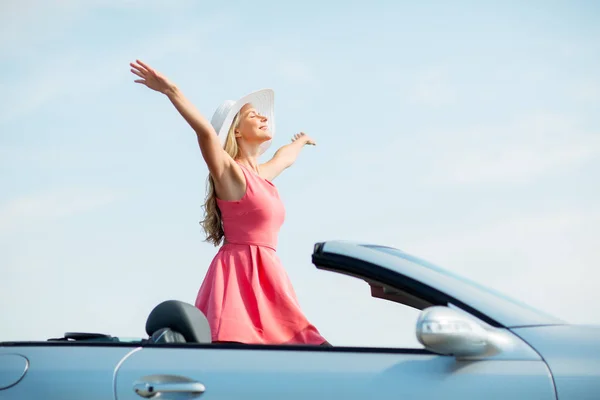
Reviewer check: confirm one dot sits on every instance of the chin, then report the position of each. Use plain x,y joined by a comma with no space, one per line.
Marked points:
260,136
265,136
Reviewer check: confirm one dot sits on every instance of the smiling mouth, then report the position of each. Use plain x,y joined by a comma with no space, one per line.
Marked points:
264,128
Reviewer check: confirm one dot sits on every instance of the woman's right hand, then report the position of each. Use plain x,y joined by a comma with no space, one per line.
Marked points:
218,161
151,78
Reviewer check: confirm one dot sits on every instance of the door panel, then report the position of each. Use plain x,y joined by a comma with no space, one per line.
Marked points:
255,373
66,372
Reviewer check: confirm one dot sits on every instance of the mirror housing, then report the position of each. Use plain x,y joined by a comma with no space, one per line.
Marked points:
448,331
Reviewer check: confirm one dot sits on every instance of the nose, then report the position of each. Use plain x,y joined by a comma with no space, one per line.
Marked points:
263,118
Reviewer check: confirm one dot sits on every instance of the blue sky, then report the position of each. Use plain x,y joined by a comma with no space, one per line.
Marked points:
464,133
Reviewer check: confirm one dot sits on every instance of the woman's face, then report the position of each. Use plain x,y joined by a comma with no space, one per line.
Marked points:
253,127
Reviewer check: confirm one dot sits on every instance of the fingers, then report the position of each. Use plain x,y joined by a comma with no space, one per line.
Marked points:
146,67
141,75
303,136
139,68
138,71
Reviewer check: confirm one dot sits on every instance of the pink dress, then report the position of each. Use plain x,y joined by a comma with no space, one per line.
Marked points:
247,295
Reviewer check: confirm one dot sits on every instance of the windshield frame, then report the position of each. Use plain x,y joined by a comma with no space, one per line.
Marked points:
438,269
485,302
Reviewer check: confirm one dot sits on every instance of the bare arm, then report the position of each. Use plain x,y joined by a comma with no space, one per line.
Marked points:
217,160
285,156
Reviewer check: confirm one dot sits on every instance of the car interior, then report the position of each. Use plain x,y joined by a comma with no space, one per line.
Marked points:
171,321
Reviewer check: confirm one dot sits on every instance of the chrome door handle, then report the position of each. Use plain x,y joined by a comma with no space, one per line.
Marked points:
166,385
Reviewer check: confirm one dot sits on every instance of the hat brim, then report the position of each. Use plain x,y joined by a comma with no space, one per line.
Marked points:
263,101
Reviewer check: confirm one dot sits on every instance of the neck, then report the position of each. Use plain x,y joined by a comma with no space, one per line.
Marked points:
248,159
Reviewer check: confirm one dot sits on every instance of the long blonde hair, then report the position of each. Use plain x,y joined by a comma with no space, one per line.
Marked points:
212,223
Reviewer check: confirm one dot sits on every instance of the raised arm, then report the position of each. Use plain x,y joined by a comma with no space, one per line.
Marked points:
285,156
217,160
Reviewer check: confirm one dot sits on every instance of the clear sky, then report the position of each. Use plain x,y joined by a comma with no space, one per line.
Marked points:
464,133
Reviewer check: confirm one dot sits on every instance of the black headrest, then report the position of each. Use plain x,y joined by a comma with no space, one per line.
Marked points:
166,335
180,317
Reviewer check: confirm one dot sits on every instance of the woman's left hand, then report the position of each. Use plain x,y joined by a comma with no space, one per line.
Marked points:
304,139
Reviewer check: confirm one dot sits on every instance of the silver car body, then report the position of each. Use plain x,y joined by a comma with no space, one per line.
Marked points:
478,344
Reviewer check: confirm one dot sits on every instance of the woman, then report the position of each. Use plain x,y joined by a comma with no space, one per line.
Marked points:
246,294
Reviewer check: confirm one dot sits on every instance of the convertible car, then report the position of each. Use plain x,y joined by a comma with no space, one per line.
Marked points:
477,344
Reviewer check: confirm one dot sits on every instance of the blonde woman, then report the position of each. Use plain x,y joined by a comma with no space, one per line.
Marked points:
246,294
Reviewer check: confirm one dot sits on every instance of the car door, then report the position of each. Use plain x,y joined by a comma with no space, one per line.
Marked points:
59,370
229,371
254,372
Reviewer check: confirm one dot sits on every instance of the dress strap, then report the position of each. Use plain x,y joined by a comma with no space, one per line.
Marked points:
248,171
246,168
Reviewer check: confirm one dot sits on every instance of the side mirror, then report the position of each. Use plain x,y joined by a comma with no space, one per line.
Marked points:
448,331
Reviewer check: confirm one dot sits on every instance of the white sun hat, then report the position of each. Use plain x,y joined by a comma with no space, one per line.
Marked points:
262,100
